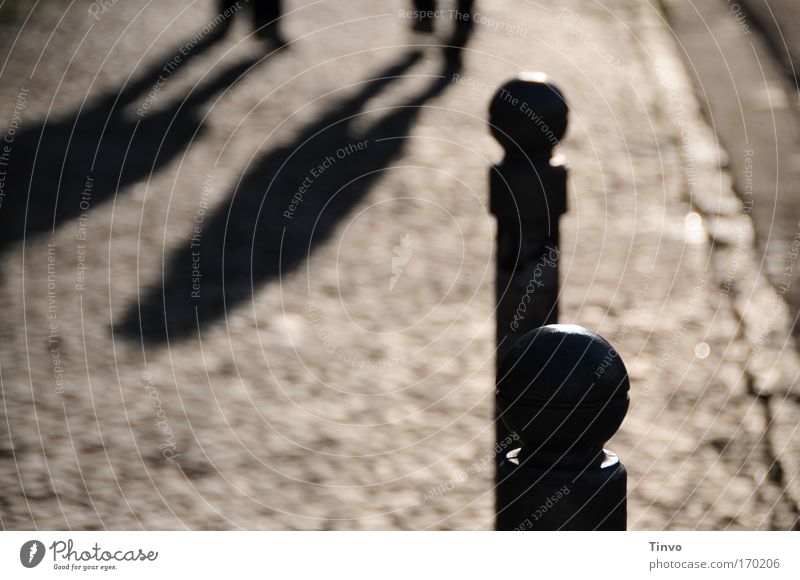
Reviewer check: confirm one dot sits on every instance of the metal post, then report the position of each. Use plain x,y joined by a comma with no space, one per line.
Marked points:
562,394
528,194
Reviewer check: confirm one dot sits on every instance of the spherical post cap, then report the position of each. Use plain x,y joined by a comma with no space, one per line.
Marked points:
528,113
562,386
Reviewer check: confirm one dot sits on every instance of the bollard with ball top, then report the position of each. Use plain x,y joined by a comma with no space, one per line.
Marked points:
562,393
528,194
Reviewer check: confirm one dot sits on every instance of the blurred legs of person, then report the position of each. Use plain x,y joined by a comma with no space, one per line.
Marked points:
265,17
424,22
228,9
463,18
464,23
265,20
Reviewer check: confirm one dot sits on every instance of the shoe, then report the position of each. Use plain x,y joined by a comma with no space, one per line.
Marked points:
271,35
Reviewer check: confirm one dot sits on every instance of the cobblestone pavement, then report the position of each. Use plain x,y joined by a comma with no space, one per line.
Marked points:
352,391
751,105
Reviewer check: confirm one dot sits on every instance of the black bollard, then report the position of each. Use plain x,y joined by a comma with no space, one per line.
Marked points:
528,194
562,394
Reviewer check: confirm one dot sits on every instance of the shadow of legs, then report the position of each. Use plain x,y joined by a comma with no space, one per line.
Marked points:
288,203
102,149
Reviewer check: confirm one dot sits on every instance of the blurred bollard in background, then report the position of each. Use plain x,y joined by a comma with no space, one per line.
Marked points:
528,194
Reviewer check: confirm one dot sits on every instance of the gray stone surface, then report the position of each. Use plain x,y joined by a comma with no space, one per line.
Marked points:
273,429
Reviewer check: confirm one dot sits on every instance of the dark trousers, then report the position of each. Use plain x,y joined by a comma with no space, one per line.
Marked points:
464,6
265,12
463,19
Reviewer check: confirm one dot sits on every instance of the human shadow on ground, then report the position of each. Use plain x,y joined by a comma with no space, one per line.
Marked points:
282,208
65,168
